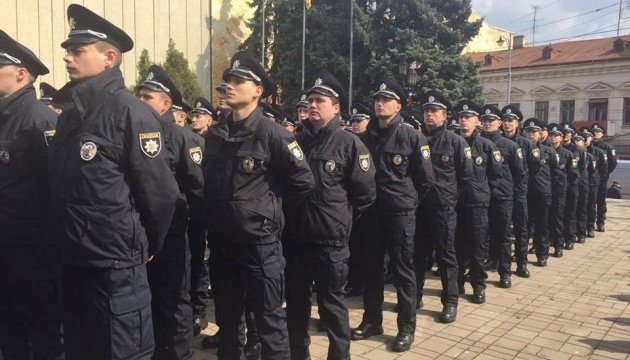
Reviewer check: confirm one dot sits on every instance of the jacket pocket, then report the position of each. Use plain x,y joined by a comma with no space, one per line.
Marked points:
130,324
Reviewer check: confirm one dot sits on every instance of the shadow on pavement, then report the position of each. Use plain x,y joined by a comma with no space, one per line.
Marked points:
614,346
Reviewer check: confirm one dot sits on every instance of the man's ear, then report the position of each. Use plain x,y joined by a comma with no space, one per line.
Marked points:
111,57
259,91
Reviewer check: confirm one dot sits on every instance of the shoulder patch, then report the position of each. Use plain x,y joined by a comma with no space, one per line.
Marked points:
364,162
295,149
612,152
5,156
497,156
425,151
150,143
557,157
196,154
605,157
48,135
536,152
519,152
468,152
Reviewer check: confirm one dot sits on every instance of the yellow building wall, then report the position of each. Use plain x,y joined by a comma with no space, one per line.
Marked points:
486,39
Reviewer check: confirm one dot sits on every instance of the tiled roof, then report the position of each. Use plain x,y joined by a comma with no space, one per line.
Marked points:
571,52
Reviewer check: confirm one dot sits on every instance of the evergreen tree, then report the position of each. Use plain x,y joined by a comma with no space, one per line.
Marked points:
143,69
176,66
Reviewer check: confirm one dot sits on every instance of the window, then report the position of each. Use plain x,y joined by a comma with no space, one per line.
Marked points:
516,105
497,105
597,109
567,111
626,111
541,111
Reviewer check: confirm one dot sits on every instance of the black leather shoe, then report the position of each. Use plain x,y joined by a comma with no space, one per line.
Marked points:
402,342
505,282
365,330
479,296
601,228
210,342
558,252
419,304
252,350
352,291
590,233
531,250
449,314
490,265
199,324
541,262
521,270
462,289
569,245
581,239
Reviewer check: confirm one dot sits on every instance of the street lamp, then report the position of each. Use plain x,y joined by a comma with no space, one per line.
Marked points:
500,42
402,68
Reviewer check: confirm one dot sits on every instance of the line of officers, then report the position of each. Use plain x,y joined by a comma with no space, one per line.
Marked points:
106,206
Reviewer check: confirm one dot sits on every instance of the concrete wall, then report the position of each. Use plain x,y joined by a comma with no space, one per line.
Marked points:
208,32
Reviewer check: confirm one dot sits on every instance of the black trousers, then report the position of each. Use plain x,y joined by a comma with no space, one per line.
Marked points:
520,219
252,275
556,219
199,277
107,313
570,213
539,209
436,229
394,234
30,303
581,212
470,238
169,280
591,206
601,201
357,253
214,265
328,267
499,215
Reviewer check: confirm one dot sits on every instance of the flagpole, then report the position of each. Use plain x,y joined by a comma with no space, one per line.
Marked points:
351,42
262,47
303,38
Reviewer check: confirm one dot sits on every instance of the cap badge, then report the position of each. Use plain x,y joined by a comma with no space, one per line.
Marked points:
508,111
383,87
198,104
303,97
431,98
465,107
318,81
531,123
150,76
72,23
354,111
488,111
236,64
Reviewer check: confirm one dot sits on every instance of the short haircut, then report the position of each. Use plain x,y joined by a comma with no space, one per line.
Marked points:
103,46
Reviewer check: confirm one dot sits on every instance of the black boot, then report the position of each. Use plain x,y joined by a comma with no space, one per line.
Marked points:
521,270
402,342
558,252
506,281
569,245
252,350
601,228
479,296
199,324
449,314
365,330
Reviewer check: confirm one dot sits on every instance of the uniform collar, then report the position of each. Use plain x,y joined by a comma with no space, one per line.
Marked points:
249,126
325,131
87,94
395,123
13,101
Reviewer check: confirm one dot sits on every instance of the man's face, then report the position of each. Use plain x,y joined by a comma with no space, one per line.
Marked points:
222,105
533,135
588,140
302,113
386,108
240,92
434,117
556,139
567,137
290,128
359,126
201,122
544,134
180,117
598,135
8,79
490,125
321,108
467,123
155,100
85,61
509,124
579,143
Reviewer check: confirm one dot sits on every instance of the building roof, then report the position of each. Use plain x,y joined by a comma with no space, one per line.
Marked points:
564,53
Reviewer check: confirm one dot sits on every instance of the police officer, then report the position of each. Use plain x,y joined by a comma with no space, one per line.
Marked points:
30,270
511,117
251,166
564,170
319,251
301,108
598,169
180,112
452,163
360,118
500,213
611,157
288,124
586,177
113,196
403,177
574,179
472,213
539,192
169,272
46,92
202,116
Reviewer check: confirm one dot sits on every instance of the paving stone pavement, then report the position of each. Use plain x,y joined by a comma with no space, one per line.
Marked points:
578,307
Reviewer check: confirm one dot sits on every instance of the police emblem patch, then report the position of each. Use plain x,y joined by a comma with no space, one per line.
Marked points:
247,165
330,166
236,64
557,158
5,156
574,162
397,159
431,98
478,160
354,111
468,152
364,162
426,152
318,81
72,23
150,143
519,152
303,97
88,151
196,154
296,150
497,155
536,152
382,87
150,76
48,135
445,158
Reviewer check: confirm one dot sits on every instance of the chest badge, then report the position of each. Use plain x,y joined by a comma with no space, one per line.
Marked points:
248,165
195,154
88,151
330,166
478,160
5,157
468,152
536,153
445,158
364,162
397,160
574,162
497,155
594,164
519,152
48,135
150,143
296,150
426,152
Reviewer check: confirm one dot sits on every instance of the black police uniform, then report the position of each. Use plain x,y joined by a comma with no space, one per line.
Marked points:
588,176
345,188
598,170
30,266
251,167
611,158
113,198
573,187
452,164
169,272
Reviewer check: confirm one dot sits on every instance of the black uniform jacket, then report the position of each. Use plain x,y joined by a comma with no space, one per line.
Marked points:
112,192
247,176
611,159
549,162
404,173
579,156
344,183
600,165
514,180
26,128
568,168
487,171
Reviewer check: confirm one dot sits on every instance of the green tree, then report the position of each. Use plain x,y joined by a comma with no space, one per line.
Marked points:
176,66
143,68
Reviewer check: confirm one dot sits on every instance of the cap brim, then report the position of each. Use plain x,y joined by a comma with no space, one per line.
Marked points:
386,94
201,111
301,104
322,91
152,87
535,128
433,105
78,40
468,113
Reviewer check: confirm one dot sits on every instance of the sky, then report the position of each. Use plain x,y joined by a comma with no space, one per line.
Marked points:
556,20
